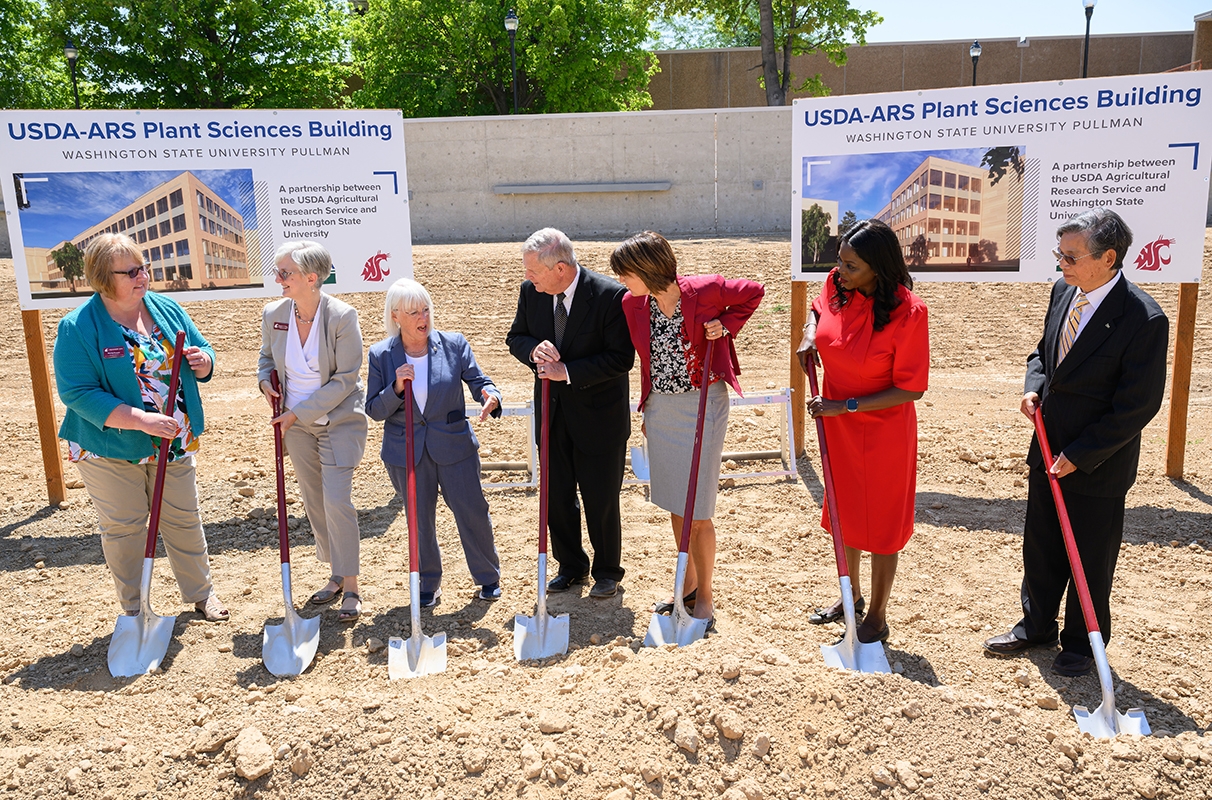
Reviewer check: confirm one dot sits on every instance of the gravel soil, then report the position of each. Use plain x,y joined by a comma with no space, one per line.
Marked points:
749,713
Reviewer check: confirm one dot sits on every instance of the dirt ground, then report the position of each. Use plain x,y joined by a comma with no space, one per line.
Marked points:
749,713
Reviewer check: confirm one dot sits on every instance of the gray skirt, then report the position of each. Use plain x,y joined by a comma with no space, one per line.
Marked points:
670,420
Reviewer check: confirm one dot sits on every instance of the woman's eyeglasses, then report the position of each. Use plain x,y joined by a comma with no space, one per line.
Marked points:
1070,260
132,273
282,274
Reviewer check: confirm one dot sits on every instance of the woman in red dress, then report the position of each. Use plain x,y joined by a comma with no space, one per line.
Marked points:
869,331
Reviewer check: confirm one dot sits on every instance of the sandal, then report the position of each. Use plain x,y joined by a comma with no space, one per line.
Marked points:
350,614
667,608
212,609
821,616
325,596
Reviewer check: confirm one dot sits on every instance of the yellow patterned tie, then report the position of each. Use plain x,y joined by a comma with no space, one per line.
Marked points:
1075,321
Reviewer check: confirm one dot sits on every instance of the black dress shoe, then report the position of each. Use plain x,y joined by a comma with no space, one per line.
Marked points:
561,583
1007,644
604,587
1072,665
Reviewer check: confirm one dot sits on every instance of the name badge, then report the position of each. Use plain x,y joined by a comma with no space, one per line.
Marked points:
113,352
281,326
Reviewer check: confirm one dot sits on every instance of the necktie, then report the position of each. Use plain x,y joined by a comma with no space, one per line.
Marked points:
561,319
1075,320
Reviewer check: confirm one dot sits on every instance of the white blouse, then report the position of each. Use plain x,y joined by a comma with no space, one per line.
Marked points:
302,366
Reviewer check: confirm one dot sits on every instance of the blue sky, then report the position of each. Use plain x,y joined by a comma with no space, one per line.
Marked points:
864,183
926,20
70,202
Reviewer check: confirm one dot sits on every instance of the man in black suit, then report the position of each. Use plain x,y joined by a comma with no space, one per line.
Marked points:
1099,374
571,331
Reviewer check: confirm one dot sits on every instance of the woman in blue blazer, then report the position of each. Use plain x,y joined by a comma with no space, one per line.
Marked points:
446,452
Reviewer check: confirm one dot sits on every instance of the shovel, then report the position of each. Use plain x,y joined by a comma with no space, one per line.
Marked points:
1106,720
420,655
286,649
140,642
849,653
679,627
541,636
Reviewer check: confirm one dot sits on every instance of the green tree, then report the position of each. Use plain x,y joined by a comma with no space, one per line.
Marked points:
783,29
210,53
848,221
70,261
919,251
35,73
451,57
814,233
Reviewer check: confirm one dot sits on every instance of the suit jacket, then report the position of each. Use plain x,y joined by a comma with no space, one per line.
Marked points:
597,352
704,298
340,394
1100,397
443,428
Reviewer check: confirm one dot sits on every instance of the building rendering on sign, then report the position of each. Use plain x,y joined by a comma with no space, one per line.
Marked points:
948,214
191,239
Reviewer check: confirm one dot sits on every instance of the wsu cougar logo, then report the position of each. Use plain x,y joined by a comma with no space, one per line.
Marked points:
1154,255
373,269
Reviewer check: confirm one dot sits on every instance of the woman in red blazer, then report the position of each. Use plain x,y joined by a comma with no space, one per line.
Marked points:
670,318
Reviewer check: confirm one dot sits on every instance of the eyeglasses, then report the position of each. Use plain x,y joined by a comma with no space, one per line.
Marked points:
282,274
132,273
416,314
1070,260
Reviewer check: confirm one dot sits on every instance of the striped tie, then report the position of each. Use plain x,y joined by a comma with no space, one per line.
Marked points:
1075,321
561,319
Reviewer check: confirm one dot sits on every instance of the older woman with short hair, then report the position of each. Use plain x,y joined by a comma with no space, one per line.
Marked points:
314,342
113,364
445,449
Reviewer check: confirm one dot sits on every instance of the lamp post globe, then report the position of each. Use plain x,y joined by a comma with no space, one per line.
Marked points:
511,26
71,54
1089,6
975,52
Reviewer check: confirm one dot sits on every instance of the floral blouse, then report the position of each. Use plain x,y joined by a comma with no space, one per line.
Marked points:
671,352
152,357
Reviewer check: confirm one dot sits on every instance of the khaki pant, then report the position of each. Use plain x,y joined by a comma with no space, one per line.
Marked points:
324,458
122,493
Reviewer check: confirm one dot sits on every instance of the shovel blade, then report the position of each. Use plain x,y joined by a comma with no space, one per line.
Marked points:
677,628
288,649
1106,722
539,637
852,654
639,463
416,656
139,643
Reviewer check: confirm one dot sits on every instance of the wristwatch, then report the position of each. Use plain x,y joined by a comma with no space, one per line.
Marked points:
852,405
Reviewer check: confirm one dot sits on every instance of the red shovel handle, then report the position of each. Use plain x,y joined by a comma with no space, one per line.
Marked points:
544,448
692,489
410,495
835,525
1075,559
283,539
153,524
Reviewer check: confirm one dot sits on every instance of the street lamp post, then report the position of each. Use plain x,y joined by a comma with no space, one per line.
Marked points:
71,54
511,25
1089,4
975,52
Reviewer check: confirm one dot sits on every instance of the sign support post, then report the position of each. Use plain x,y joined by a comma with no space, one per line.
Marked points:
799,317
44,404
1180,380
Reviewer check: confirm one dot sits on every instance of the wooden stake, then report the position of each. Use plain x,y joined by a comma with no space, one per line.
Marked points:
799,316
1180,379
44,405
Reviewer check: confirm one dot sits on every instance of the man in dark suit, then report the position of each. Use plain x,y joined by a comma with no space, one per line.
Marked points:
1099,374
570,330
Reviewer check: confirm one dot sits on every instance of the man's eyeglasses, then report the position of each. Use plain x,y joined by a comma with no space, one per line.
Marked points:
132,273
1070,260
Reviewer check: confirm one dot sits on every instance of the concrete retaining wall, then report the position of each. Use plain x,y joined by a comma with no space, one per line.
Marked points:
729,173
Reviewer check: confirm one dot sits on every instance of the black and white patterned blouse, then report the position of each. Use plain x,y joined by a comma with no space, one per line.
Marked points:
669,351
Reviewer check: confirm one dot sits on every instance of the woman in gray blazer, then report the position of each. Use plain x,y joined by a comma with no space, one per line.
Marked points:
314,342
446,452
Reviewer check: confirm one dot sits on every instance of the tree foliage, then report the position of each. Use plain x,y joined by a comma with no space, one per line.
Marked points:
814,233
919,251
848,221
451,57
35,73
70,261
783,29
1000,160
209,53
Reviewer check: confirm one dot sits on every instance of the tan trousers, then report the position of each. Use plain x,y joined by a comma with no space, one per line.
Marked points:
324,458
122,494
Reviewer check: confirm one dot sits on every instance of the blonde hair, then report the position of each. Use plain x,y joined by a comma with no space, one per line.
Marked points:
99,258
406,295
